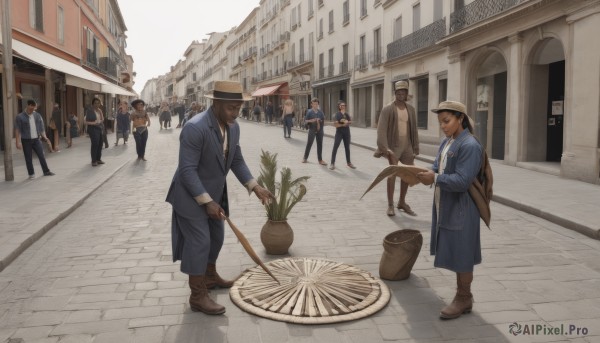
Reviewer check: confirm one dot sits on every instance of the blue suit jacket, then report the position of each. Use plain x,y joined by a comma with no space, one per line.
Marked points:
202,167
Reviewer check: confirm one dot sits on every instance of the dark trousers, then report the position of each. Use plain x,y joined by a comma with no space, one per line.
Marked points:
339,137
140,142
196,242
311,137
29,146
287,126
104,137
269,118
95,133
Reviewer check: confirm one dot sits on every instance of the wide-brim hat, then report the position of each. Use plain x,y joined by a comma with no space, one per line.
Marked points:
228,91
450,105
137,101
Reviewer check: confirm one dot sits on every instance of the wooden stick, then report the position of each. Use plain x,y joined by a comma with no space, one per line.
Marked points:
244,241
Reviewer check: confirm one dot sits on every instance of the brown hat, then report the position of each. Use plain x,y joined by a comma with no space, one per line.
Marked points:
137,101
450,105
401,85
228,90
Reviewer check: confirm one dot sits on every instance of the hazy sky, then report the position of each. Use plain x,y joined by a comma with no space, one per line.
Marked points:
159,31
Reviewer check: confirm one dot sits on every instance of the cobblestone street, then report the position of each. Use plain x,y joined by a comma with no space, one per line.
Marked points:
105,272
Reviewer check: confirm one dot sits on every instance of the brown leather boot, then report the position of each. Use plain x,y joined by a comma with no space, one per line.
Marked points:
463,300
199,299
214,280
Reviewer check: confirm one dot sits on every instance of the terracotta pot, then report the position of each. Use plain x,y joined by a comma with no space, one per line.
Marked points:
277,237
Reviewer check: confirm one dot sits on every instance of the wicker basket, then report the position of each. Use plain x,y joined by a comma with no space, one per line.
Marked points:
400,251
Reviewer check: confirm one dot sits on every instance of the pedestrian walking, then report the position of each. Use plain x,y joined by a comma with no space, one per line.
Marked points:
209,148
72,129
288,118
140,123
164,115
94,120
269,113
455,229
342,123
123,122
194,109
398,140
29,129
315,119
256,112
56,127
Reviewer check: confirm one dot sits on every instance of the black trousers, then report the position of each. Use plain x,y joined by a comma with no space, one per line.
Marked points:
140,142
339,137
312,134
95,133
29,146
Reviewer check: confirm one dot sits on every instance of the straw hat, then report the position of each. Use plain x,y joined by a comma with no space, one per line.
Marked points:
401,85
228,90
449,105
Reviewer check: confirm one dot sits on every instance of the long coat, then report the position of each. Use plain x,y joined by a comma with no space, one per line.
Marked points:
202,171
388,136
455,235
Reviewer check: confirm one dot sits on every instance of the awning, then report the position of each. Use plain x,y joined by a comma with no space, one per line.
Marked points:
114,89
54,62
268,90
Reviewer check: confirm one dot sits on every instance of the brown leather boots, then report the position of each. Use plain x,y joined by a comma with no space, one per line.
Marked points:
463,300
214,280
199,299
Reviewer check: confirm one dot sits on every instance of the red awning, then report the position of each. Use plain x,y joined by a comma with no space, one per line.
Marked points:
268,90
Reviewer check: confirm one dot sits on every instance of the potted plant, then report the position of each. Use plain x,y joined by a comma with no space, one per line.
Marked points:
277,235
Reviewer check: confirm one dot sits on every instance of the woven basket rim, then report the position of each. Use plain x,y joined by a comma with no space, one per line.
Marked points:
374,307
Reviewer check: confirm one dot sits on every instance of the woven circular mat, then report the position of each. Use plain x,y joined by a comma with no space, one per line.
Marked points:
312,291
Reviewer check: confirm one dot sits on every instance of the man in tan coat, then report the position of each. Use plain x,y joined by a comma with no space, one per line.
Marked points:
398,140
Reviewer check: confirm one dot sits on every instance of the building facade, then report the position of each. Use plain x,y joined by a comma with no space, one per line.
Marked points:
68,52
524,68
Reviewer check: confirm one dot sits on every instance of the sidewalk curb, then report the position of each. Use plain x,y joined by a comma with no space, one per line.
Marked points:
504,200
569,224
10,257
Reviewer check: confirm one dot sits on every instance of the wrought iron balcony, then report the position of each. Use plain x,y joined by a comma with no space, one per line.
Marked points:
478,10
321,73
330,70
360,62
417,40
375,56
343,67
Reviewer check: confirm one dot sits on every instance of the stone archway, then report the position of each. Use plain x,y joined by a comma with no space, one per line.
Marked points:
545,107
488,104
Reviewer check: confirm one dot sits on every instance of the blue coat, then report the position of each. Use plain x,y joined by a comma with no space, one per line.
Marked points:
455,235
202,169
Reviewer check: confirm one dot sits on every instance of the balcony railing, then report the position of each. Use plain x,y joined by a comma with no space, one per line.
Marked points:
360,62
417,40
478,10
343,67
375,56
301,57
321,73
330,70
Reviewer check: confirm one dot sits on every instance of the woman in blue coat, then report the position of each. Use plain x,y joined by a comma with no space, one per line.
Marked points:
455,235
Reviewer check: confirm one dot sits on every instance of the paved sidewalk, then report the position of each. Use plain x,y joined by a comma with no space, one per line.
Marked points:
29,208
105,273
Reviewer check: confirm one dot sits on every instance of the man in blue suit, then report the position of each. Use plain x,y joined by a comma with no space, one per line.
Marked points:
209,148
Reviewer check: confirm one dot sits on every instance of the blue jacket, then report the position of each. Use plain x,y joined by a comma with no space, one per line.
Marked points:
22,124
455,233
202,168
311,114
